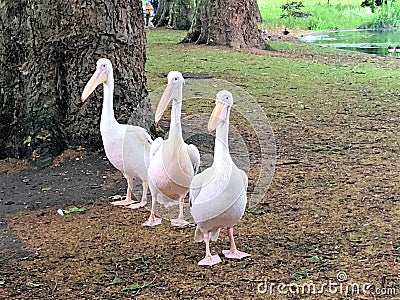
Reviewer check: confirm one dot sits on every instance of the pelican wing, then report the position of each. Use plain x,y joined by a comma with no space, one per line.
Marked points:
140,135
155,147
136,143
195,187
194,157
198,182
245,178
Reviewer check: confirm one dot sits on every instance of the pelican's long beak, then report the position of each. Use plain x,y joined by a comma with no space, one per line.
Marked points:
215,117
165,99
100,76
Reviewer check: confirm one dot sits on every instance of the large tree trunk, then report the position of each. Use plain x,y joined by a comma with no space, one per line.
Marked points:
176,14
49,50
258,13
226,22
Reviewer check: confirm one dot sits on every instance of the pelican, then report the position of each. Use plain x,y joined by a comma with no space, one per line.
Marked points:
173,163
127,147
218,194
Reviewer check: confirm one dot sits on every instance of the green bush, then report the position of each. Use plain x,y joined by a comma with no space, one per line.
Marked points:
324,15
388,15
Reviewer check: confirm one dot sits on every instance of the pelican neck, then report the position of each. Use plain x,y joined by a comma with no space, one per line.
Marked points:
221,149
175,126
107,114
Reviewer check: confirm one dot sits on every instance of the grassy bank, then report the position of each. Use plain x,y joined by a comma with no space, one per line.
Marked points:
311,68
324,15
387,16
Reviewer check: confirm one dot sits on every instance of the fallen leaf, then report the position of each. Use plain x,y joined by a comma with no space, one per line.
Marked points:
31,284
132,287
74,209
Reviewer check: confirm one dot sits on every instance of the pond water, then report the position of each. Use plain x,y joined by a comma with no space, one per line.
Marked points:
362,40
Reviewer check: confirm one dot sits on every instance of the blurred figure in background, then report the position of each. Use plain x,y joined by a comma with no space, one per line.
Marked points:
148,8
154,3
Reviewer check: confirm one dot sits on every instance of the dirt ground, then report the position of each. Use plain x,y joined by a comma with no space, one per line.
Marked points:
331,216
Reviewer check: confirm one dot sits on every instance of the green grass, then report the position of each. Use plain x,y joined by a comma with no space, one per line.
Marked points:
333,15
387,16
336,14
274,77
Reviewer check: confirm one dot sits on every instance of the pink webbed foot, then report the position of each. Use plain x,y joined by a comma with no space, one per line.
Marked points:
122,202
209,260
236,254
152,221
137,205
179,223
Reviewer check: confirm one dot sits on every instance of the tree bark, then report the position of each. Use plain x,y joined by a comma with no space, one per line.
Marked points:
176,14
226,22
49,50
258,13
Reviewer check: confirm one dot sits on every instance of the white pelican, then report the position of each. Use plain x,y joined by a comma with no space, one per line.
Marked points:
218,194
127,147
173,163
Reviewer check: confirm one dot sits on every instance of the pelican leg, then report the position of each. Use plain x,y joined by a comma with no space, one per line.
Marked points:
233,252
152,220
142,203
128,200
209,259
180,222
